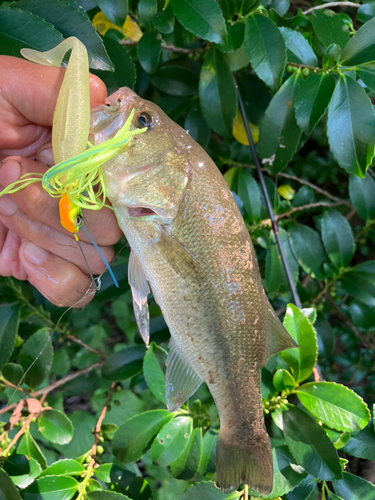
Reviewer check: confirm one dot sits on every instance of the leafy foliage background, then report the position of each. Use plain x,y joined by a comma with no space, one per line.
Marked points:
89,420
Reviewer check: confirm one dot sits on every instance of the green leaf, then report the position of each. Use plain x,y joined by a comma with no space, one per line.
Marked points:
13,373
208,460
207,491
249,192
55,426
124,404
149,51
308,250
172,440
326,338
134,436
302,359
307,487
362,444
61,362
279,132
312,98
298,48
27,446
20,29
22,470
352,487
36,357
362,315
255,95
154,364
360,282
265,48
186,466
52,488
276,281
361,47
9,322
64,467
351,126
82,422
310,446
8,491
146,10
197,126
337,238
330,28
366,12
217,93
106,495
70,21
203,19
116,11
124,364
335,405
164,20
177,77
283,380
362,195
366,73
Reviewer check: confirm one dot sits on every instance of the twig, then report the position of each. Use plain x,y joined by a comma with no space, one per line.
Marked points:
164,46
275,227
87,347
9,384
98,425
332,4
8,408
265,222
19,433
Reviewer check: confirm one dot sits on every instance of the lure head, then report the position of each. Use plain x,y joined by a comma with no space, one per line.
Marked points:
70,214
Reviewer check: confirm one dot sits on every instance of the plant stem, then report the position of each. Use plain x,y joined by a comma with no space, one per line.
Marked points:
332,4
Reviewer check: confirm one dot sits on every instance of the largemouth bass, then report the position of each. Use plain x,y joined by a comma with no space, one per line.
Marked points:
189,243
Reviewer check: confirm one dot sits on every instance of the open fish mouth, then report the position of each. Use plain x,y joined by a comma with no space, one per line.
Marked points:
140,212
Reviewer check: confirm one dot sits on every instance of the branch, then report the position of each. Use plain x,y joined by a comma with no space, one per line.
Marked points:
265,222
332,4
87,347
165,46
19,433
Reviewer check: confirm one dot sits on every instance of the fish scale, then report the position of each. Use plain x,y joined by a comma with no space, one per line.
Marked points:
189,241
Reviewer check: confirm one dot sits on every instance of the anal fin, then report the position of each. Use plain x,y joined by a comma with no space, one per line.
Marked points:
140,289
181,380
278,338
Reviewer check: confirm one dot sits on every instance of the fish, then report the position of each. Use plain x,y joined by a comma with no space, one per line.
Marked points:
190,247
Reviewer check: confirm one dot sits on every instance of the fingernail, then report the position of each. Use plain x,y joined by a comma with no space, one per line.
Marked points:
45,156
10,172
7,206
34,254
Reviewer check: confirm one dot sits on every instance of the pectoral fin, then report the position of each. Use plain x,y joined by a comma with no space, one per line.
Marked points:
278,338
181,380
140,289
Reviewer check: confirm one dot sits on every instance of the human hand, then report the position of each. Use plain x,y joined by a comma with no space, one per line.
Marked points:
33,244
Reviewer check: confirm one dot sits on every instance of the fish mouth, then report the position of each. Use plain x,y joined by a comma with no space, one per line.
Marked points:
140,212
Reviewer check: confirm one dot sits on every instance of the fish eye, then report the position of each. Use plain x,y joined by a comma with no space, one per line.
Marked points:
144,120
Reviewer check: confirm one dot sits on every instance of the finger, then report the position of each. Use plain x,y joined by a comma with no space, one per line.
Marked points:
10,264
40,94
37,204
45,155
61,282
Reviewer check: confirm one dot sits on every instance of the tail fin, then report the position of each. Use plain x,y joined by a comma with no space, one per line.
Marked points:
248,461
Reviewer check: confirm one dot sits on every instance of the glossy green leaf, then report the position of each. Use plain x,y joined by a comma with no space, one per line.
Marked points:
283,380
36,357
146,11
362,444
208,460
361,47
338,239
255,95
362,315
19,29
303,491
172,440
249,192
164,20
177,77
207,491
22,470
64,467
310,446
360,282
330,27
106,495
326,338
13,373
366,73
298,48
308,249
362,195
27,446
154,364
335,405
124,364
351,126
366,12
312,98
52,488
55,426
124,404
197,127
265,48
9,322
83,439
149,51
61,362
352,487
134,437
186,466
115,11
217,93
8,490
203,19
71,21
302,359
279,132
